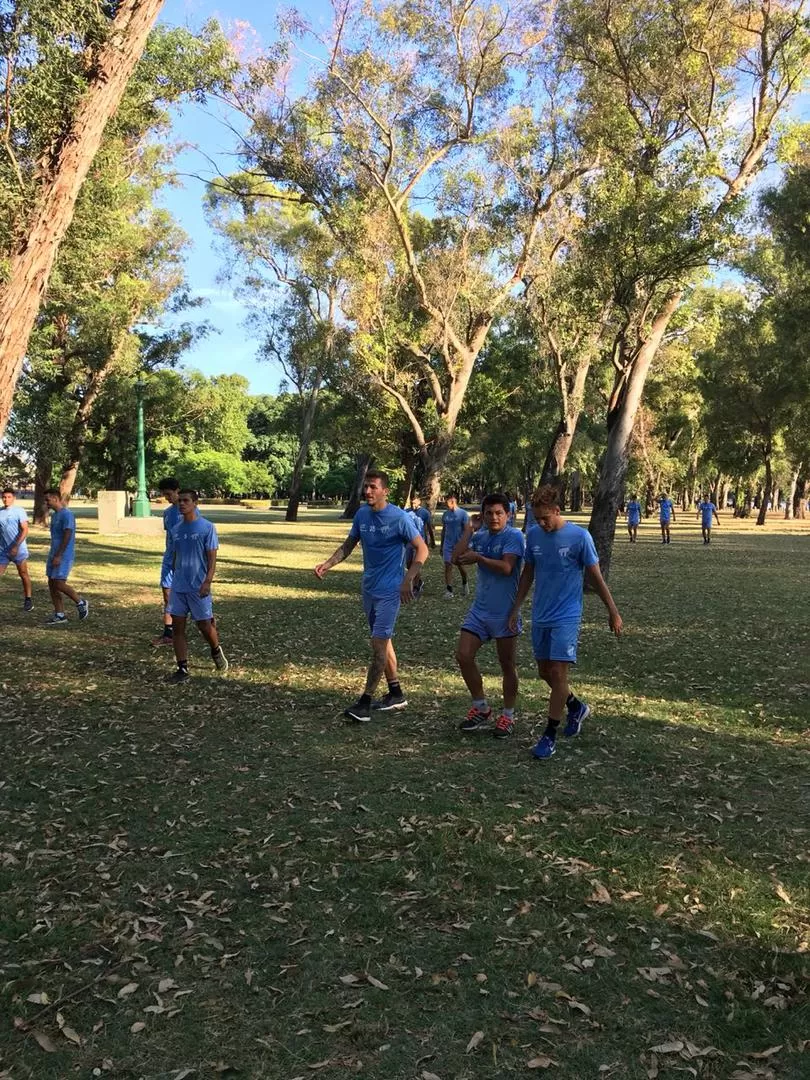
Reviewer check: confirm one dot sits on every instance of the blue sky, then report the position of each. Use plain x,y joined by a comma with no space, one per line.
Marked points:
229,350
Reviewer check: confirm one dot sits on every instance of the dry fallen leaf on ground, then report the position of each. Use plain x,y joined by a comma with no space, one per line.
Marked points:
477,1038
542,1061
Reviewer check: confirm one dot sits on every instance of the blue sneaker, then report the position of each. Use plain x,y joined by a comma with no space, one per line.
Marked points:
575,718
546,748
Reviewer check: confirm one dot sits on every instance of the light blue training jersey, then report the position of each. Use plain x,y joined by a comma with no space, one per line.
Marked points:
559,559
633,512
190,543
665,508
11,518
61,521
495,593
454,522
383,535
419,523
425,516
171,517
706,510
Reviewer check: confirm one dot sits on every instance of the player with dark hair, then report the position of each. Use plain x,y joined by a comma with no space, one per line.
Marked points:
560,554
13,548
194,545
169,488
60,559
384,531
497,550
705,511
455,529
427,518
666,517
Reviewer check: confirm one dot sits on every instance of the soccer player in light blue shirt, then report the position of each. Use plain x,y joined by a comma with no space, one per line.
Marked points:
419,523
60,560
13,548
170,490
560,555
705,511
666,515
194,546
455,528
633,511
384,532
426,517
497,550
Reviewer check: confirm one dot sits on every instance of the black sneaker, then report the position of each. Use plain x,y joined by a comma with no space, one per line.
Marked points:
389,702
83,608
358,712
28,604
179,676
476,720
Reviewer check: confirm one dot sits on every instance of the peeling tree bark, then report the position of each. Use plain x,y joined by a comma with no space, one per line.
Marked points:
31,264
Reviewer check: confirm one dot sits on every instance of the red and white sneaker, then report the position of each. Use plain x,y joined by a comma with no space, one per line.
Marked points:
504,727
476,720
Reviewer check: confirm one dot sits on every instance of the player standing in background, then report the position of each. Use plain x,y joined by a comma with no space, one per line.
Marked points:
13,548
455,527
60,560
383,531
706,509
666,515
410,552
559,554
169,489
633,511
497,550
426,517
194,545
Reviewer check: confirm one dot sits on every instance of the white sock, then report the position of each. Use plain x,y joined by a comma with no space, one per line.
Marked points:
480,704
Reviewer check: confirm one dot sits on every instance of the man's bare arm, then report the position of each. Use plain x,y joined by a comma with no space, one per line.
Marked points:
341,553
599,586
205,588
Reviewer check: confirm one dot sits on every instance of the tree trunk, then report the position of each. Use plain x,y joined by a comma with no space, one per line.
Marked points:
77,437
559,448
625,402
791,495
800,498
307,425
434,459
762,516
31,264
576,492
356,497
42,480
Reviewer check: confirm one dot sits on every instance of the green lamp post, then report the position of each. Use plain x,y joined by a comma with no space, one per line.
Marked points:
141,507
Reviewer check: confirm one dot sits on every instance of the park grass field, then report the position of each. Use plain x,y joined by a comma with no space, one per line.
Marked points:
224,879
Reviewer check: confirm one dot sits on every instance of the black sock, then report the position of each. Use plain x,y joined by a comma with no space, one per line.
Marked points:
551,728
215,649
365,699
449,588
394,687
572,702
182,665
168,632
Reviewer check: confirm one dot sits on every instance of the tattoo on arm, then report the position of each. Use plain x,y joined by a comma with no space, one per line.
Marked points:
344,551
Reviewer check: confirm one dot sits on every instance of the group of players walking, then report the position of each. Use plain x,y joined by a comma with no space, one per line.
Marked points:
555,556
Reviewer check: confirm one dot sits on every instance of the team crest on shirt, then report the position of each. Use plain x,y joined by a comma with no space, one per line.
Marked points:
564,552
